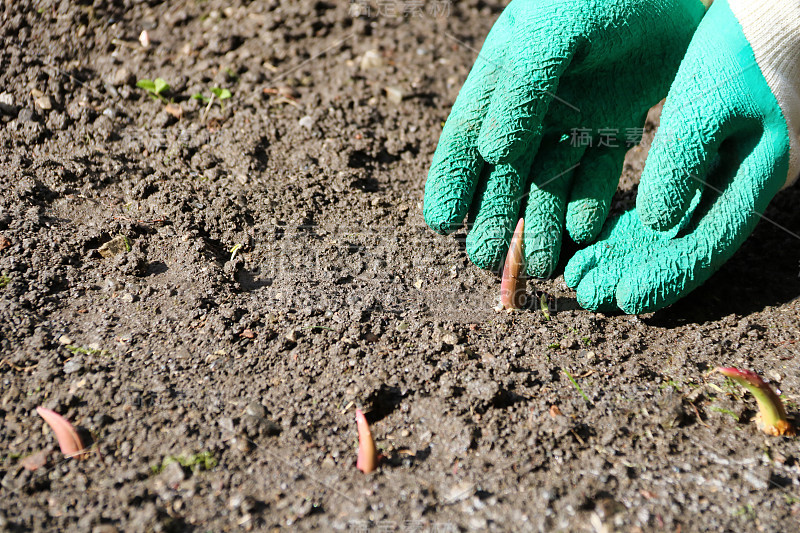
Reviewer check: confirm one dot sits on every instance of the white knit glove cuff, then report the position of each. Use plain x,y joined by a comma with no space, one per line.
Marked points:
773,30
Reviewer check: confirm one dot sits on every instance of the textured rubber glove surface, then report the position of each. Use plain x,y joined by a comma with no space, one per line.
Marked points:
723,138
548,70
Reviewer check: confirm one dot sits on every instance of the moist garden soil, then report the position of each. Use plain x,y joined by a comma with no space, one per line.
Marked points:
269,271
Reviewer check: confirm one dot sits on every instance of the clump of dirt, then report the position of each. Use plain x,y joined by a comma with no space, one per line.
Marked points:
270,271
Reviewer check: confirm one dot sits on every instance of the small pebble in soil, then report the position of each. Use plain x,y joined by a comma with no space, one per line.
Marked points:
371,59
306,122
394,94
123,76
73,365
45,103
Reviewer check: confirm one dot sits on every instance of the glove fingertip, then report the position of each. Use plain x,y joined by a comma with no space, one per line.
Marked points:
485,252
443,217
665,192
541,265
635,297
583,225
576,269
593,292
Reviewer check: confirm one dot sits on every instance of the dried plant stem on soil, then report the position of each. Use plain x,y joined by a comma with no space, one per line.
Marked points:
367,452
512,287
771,418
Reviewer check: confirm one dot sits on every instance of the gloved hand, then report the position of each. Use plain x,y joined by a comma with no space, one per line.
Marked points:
557,95
727,143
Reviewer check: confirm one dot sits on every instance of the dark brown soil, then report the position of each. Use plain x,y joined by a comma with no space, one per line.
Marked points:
247,365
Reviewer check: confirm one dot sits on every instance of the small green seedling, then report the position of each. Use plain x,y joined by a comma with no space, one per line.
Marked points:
4,281
155,88
544,305
578,387
82,350
771,417
196,462
220,94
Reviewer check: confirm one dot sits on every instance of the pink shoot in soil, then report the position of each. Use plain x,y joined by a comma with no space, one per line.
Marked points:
367,452
68,439
771,417
512,287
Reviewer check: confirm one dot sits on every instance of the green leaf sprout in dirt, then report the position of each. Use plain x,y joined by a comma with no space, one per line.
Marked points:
231,74
544,305
4,281
196,461
578,387
216,92
155,88
82,350
724,411
771,418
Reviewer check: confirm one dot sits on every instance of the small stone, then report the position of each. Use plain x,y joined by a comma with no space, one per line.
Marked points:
73,365
394,94
371,59
243,444
226,424
173,473
115,246
111,285
306,122
26,115
405,433
7,104
402,326
457,492
164,120
236,501
64,340
451,338
128,298
144,39
568,344
175,110
123,76
104,528
255,409
45,103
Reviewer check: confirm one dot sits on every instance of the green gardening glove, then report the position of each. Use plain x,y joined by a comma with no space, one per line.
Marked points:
727,143
557,95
